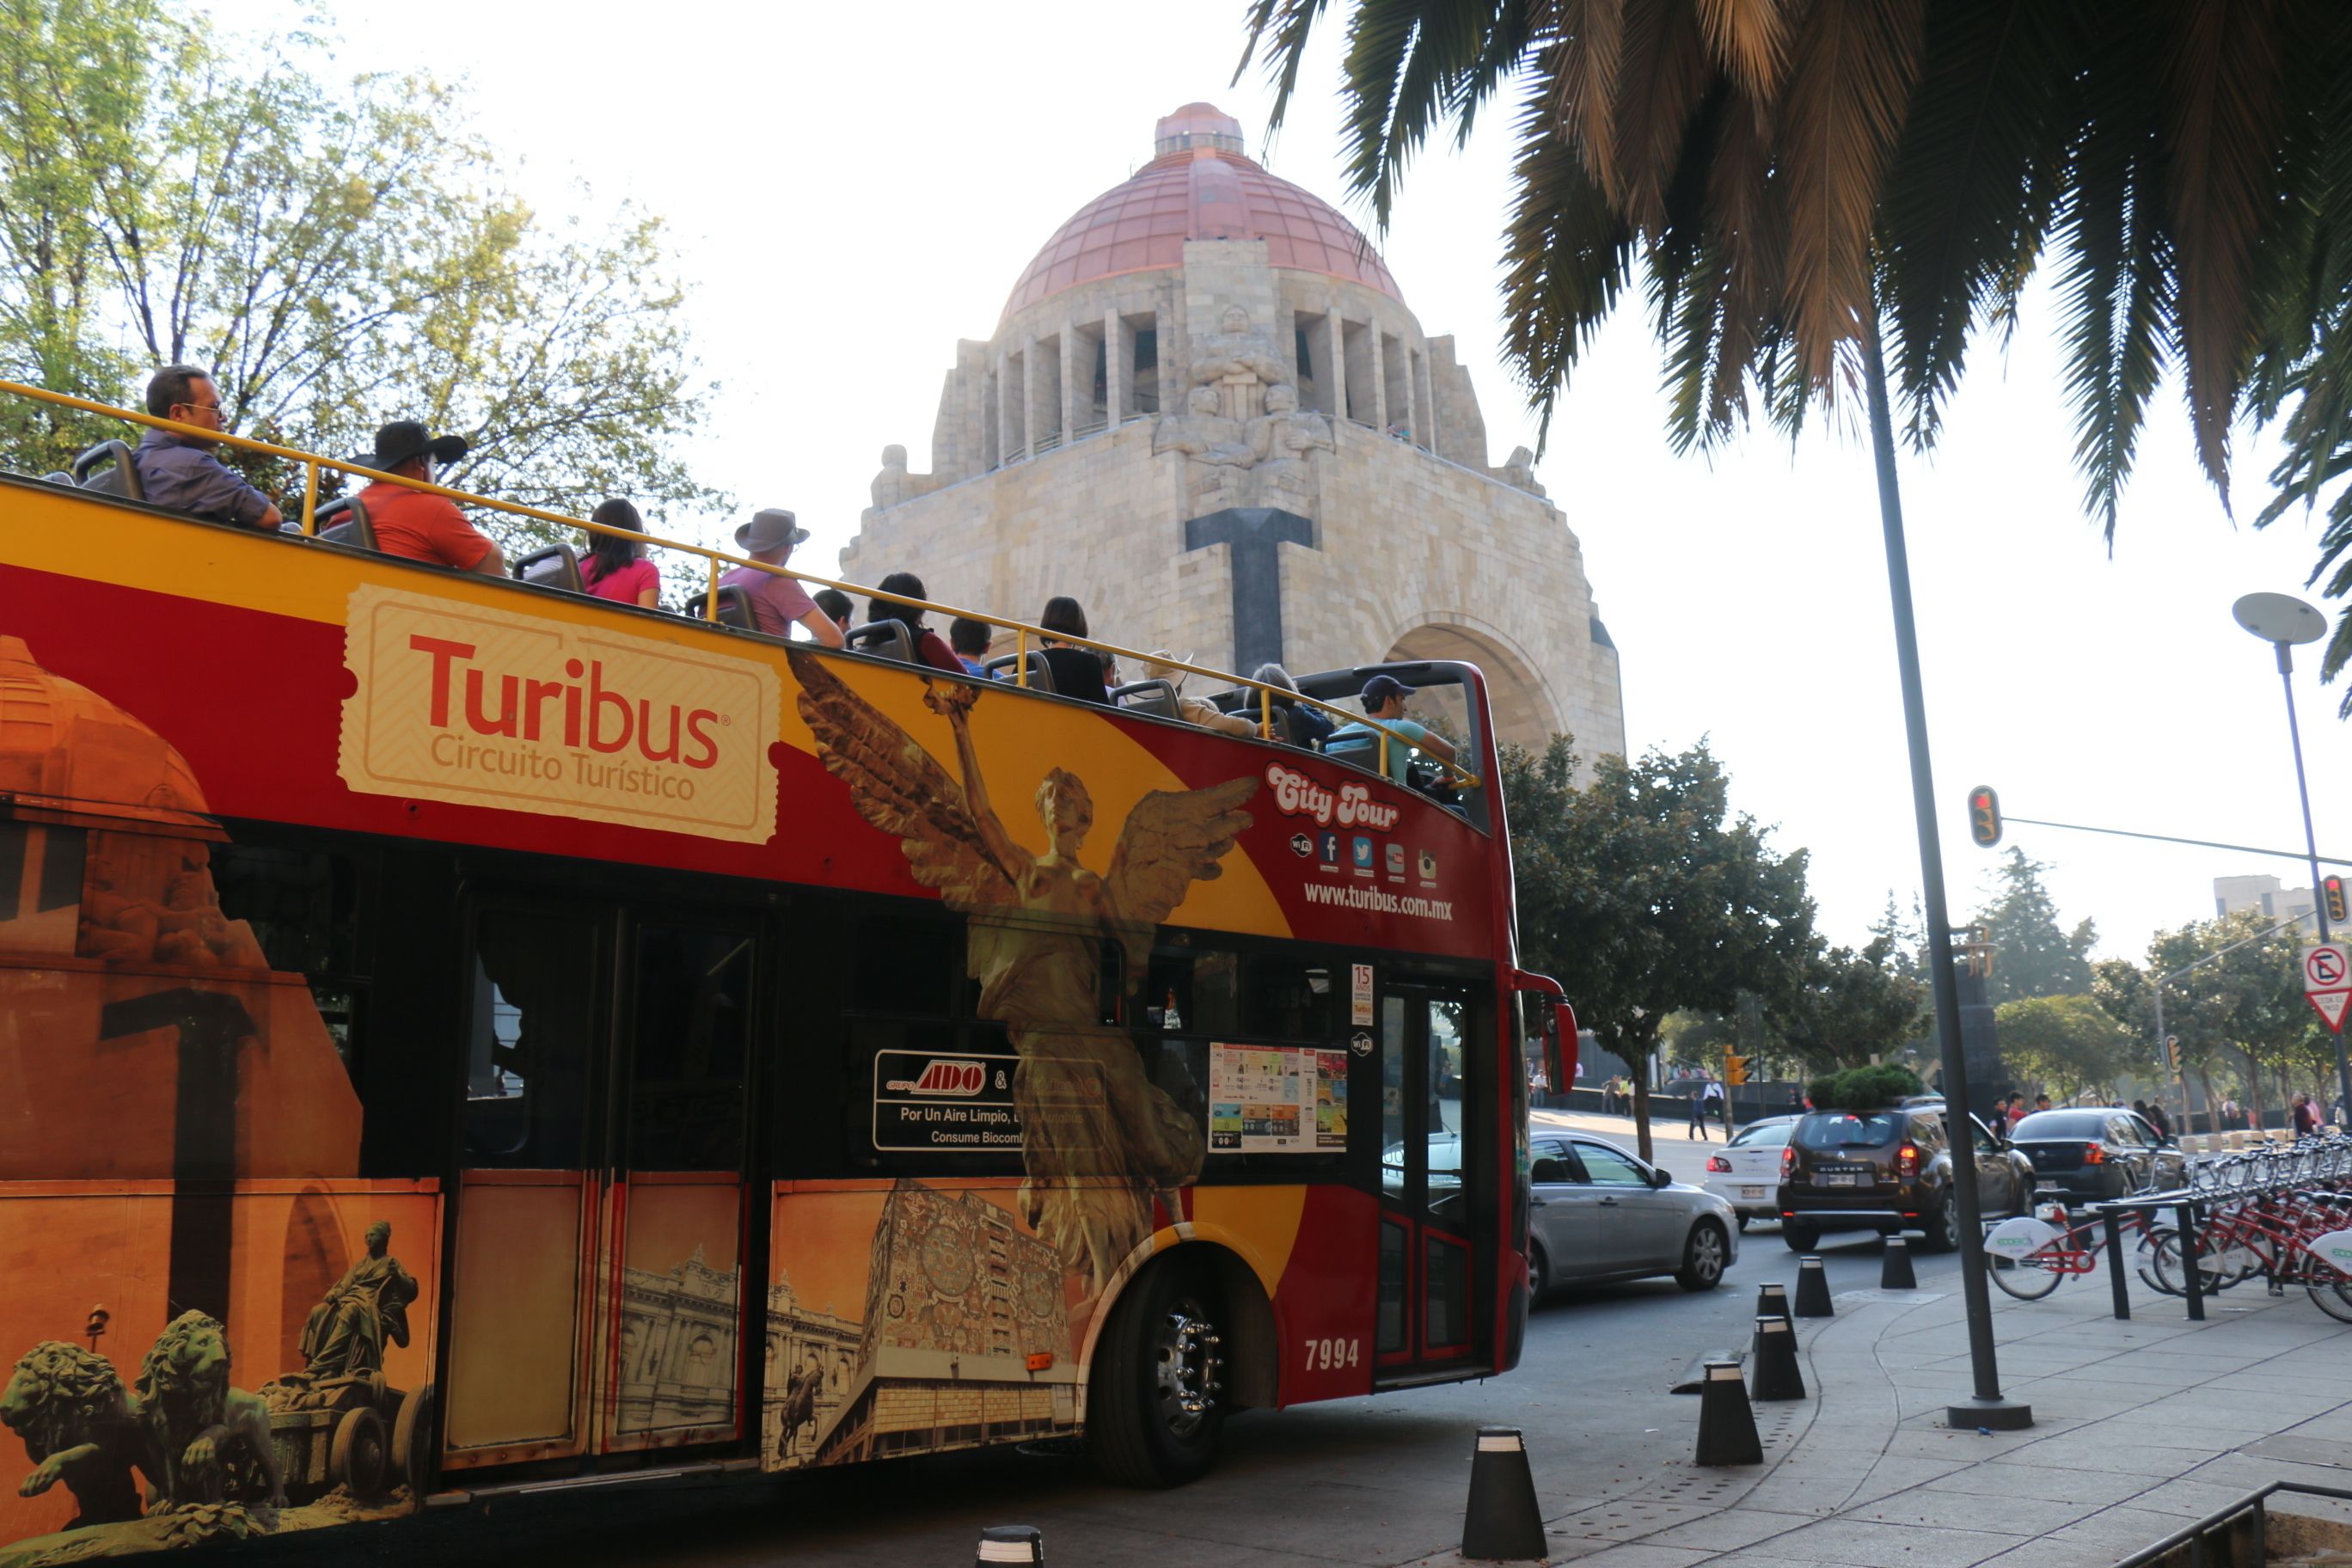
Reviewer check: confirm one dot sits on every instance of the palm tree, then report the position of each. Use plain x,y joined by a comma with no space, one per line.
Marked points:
1794,177
1803,181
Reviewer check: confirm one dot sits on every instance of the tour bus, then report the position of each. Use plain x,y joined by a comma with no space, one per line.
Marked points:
458,1035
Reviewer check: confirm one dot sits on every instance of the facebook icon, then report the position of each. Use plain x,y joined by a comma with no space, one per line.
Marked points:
1330,849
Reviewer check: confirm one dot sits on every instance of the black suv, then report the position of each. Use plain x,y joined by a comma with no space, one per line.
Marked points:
1891,1171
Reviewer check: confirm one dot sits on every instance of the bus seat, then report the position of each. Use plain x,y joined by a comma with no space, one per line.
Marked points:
58,476
107,469
882,639
344,521
1040,674
1283,731
555,566
734,606
1156,698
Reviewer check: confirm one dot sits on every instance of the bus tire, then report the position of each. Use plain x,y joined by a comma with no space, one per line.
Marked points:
1155,1400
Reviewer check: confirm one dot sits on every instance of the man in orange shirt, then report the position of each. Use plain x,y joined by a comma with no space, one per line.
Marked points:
413,524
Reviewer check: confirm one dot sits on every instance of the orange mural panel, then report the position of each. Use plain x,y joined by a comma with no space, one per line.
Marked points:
327,1324
514,1325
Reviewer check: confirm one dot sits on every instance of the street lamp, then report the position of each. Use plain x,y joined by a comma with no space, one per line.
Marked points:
2283,620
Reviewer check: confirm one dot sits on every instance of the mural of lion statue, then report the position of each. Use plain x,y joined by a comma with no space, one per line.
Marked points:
79,1425
194,1419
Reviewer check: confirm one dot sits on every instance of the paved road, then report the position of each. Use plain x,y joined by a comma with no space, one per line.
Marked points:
1371,1481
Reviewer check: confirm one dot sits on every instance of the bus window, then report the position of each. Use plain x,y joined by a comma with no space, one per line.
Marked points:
304,907
533,1028
692,1018
907,962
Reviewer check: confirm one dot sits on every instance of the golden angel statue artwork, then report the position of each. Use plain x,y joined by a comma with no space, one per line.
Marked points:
1098,1140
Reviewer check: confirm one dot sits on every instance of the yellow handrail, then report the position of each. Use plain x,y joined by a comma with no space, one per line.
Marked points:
1023,630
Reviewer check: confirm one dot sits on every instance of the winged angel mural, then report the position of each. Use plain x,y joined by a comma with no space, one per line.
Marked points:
1098,1140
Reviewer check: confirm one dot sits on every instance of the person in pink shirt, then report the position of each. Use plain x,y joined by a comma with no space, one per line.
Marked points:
615,567
777,602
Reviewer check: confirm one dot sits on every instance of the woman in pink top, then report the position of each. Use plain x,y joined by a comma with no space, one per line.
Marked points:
615,567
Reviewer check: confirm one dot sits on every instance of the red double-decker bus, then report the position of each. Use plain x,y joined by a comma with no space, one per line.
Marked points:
458,1034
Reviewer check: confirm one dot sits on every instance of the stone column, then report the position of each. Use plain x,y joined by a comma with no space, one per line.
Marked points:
1380,381
1115,358
1004,407
1071,405
1426,418
1029,393
1334,378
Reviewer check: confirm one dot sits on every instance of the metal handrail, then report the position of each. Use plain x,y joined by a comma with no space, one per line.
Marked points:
719,561
2197,1530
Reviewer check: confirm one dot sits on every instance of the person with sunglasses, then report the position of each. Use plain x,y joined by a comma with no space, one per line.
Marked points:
179,472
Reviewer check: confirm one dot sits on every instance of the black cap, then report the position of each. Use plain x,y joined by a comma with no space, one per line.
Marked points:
1380,687
404,439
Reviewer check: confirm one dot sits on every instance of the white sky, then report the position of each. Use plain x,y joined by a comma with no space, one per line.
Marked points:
850,193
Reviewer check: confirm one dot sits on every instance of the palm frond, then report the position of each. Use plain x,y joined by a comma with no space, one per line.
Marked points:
2222,117
1851,71
1969,193
1283,27
1749,41
1663,73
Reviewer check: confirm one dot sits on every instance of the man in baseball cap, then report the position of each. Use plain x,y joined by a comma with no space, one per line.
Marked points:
413,524
777,602
1384,701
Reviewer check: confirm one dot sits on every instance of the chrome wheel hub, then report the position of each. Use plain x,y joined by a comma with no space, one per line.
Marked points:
1189,1367
1706,1254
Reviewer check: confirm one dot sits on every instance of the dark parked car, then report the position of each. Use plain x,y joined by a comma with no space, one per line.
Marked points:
1892,1171
2098,1152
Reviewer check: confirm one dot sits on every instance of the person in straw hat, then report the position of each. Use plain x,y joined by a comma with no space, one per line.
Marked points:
1160,665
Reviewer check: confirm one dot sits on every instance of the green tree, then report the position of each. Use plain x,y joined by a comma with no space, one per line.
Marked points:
1644,895
339,253
2033,954
1796,179
2243,1003
2071,1042
1854,1006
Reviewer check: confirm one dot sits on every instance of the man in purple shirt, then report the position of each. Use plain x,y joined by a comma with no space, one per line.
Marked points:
180,473
777,602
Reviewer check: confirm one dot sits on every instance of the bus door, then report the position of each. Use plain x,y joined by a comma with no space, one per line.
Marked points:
1426,1256
597,1283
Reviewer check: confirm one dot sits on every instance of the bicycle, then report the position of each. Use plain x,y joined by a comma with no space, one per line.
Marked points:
2076,1249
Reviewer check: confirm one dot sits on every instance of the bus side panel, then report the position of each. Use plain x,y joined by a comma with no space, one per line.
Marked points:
86,1300
1327,1314
908,1317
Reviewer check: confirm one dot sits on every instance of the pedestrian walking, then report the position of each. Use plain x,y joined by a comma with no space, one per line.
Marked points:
2307,1116
1718,1104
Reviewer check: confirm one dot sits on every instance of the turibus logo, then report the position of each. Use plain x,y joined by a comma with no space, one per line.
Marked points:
960,1080
518,712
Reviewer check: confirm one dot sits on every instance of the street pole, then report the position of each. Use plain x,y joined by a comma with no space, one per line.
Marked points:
1988,1409
2311,850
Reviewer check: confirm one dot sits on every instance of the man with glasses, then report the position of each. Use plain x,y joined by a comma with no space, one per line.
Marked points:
1359,743
412,523
179,472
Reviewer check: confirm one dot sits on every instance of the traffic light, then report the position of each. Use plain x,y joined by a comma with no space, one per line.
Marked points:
2332,890
2172,1055
1735,1068
1984,817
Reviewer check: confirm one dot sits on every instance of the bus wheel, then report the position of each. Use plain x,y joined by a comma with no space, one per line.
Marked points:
1156,1399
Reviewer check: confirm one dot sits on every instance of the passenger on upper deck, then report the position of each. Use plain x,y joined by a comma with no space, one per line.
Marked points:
180,472
1078,672
1360,743
970,640
1309,727
777,602
412,524
836,608
615,567
1192,710
930,647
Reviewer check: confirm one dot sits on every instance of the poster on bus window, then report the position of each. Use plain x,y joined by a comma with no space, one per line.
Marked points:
1276,1100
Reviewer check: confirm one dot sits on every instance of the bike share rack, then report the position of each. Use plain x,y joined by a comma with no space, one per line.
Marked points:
2186,1209
2259,1175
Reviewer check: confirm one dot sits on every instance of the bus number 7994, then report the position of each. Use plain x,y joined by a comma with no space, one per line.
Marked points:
1324,1355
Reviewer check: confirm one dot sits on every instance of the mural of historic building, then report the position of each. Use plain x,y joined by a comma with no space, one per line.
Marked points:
967,1334
1208,414
677,1347
808,1351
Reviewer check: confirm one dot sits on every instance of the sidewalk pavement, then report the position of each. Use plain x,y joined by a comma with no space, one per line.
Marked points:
2141,1427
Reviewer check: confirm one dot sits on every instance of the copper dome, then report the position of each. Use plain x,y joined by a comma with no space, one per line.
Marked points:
1199,187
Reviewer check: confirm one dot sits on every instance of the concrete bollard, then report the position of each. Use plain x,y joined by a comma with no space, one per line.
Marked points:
1727,1426
1776,1375
1813,1289
1894,1269
1772,1299
1503,1522
1010,1544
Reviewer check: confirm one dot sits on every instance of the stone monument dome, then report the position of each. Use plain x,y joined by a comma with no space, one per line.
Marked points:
64,741
1208,414
1198,186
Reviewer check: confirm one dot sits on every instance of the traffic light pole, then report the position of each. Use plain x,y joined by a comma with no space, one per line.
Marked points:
1988,1409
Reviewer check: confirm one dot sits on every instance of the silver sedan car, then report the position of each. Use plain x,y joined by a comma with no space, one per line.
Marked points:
1601,1213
